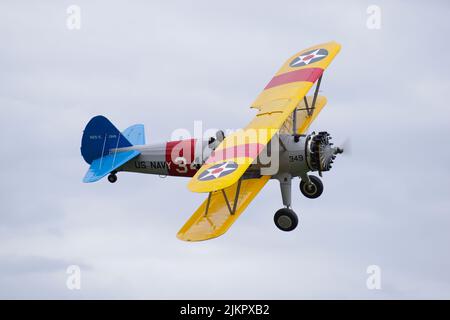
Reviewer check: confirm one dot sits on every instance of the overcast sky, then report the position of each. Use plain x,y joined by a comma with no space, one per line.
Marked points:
167,64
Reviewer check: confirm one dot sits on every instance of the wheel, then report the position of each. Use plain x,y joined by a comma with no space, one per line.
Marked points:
112,178
285,219
311,190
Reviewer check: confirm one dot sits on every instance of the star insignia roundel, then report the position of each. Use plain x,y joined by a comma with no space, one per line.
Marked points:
218,170
309,57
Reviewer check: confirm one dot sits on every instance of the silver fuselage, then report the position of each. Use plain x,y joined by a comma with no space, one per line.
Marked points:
184,158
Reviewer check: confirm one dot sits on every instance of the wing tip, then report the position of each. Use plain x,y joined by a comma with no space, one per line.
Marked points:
184,237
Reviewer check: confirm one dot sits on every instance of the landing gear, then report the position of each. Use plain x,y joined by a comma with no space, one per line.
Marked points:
311,189
112,177
285,219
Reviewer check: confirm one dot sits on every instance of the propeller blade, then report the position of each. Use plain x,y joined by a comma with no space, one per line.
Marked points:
346,146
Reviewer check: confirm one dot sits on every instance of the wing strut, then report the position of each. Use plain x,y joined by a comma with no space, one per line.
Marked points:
282,143
315,94
309,110
207,203
236,197
294,121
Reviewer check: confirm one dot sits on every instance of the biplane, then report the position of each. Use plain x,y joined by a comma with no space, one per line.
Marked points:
231,170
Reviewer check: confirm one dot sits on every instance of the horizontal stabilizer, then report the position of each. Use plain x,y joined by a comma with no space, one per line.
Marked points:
135,134
104,165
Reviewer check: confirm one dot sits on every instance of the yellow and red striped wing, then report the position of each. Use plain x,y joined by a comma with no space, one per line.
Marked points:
275,104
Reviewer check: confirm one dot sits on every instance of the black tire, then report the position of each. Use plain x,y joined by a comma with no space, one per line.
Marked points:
313,190
285,219
112,178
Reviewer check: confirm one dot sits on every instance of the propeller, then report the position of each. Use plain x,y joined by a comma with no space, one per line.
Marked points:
346,147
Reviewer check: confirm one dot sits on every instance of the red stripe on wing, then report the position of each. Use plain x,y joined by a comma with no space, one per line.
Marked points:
249,150
308,74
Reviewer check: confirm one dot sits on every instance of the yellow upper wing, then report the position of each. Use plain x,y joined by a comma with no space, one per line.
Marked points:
274,104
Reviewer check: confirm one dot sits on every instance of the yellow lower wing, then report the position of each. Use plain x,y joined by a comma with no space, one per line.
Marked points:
220,210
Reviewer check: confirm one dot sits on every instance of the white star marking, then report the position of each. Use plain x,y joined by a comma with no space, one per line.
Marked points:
215,172
306,58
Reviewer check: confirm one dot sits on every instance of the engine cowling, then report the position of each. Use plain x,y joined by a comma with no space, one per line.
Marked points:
320,152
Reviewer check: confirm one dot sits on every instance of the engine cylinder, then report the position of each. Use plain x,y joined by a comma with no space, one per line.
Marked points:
320,152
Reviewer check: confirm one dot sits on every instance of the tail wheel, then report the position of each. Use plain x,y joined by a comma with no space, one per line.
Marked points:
285,219
112,178
313,189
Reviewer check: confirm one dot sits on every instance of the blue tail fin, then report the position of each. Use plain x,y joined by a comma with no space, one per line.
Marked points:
99,136
135,134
